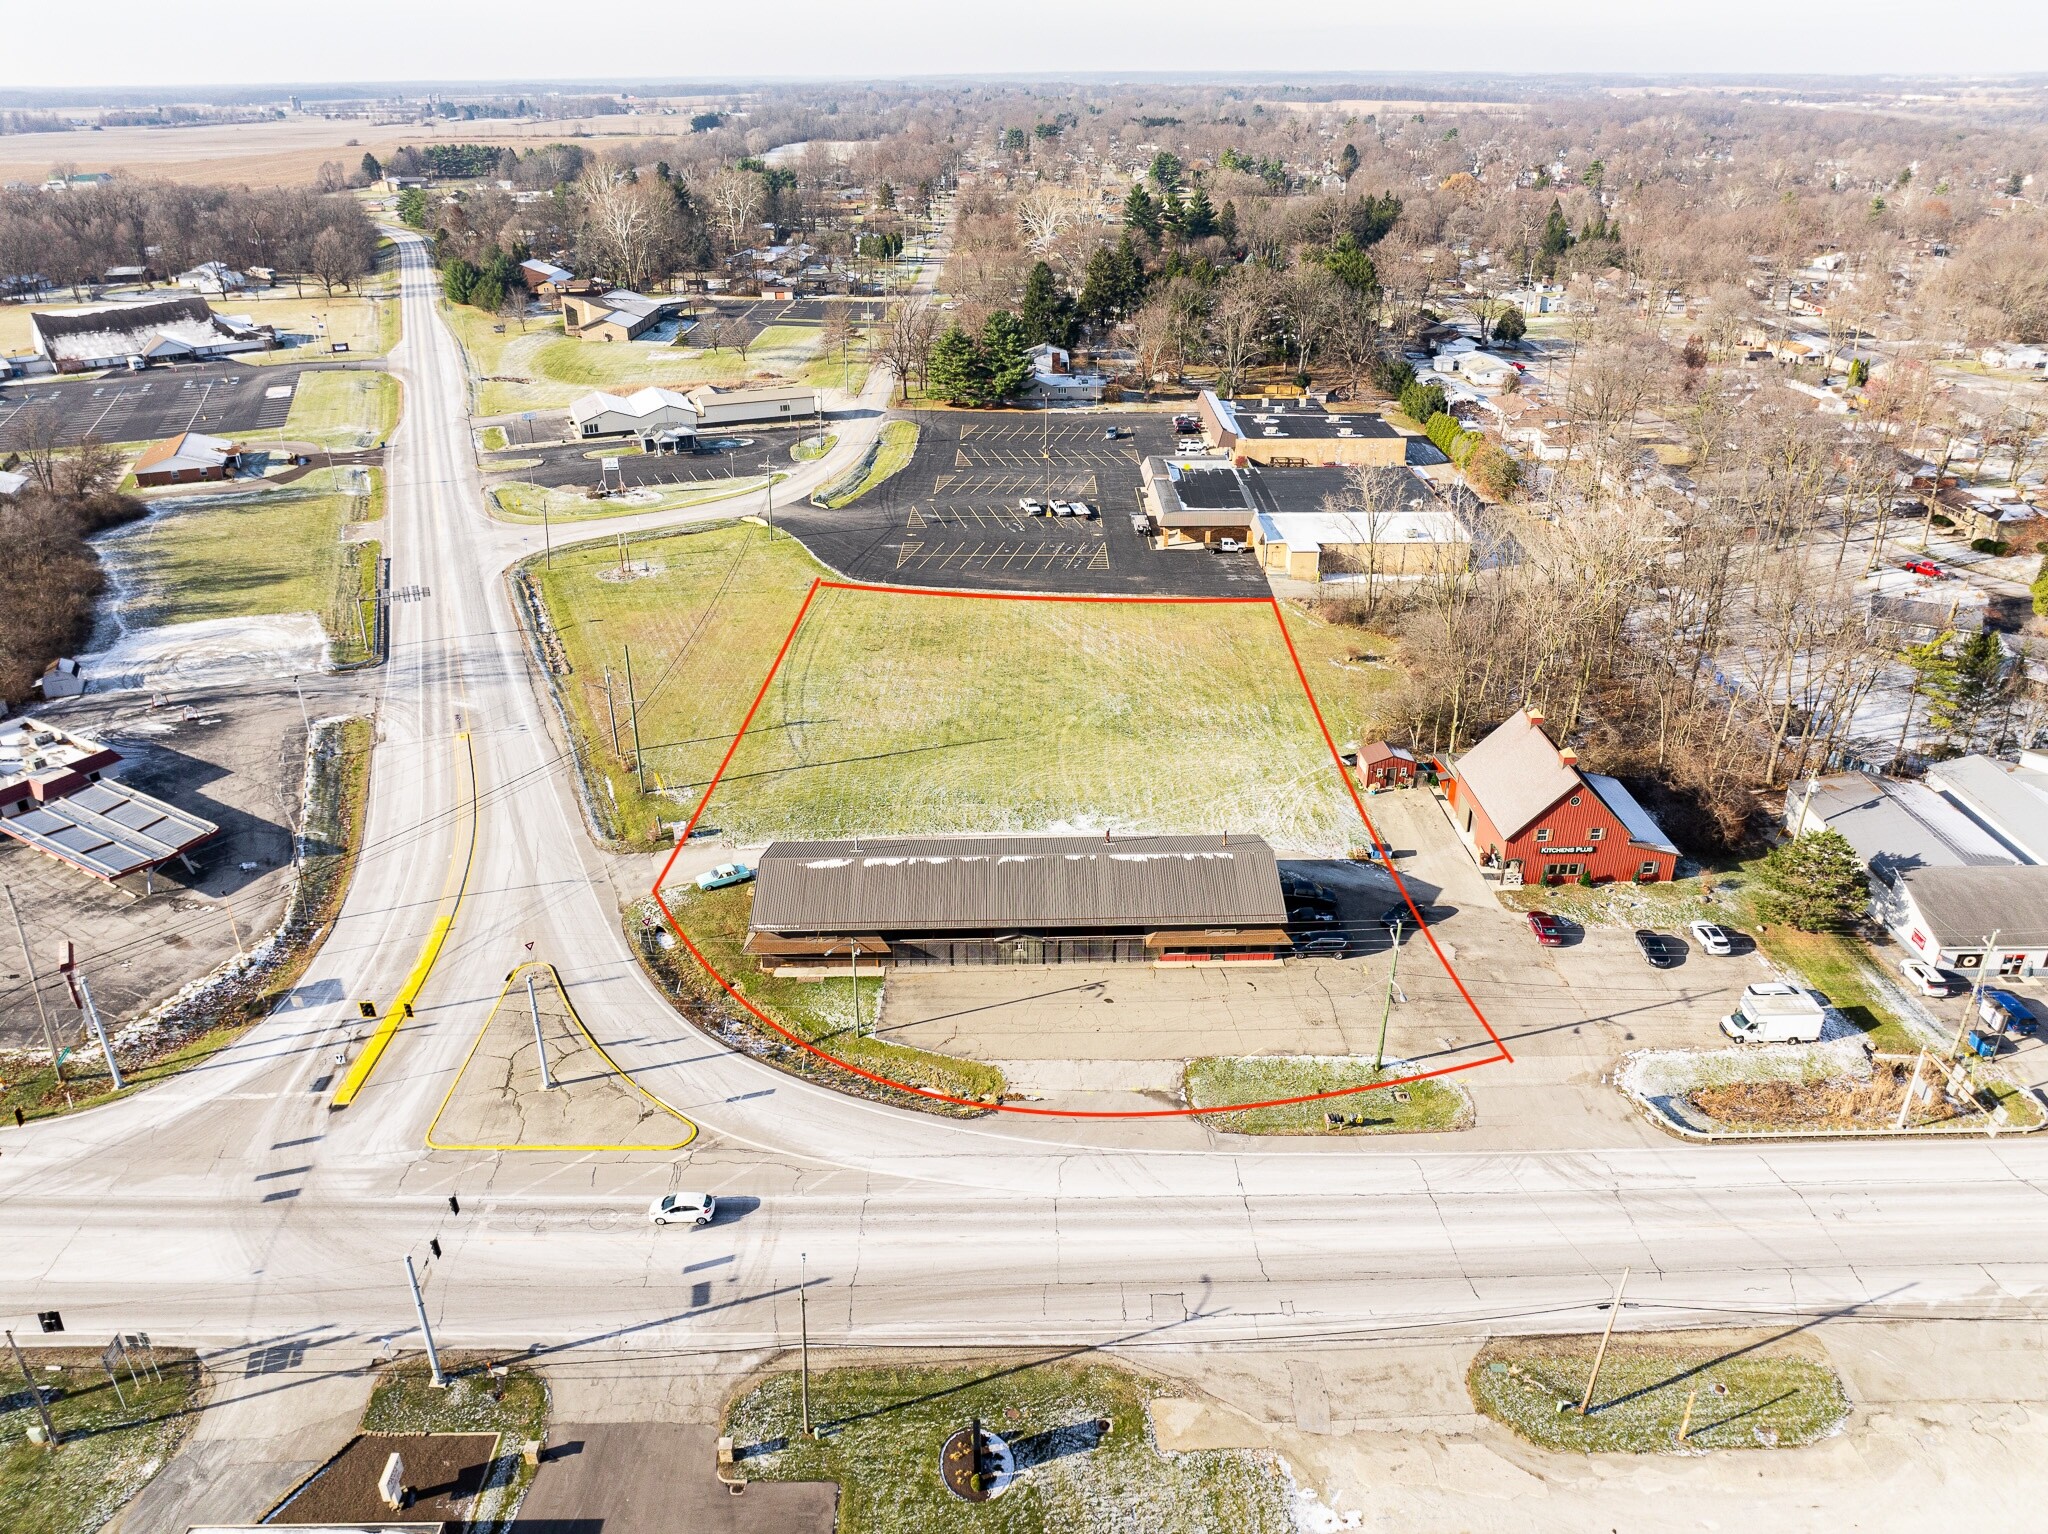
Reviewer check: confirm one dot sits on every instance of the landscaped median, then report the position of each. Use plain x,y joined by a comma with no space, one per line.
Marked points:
1659,1394
837,1015
890,455
1080,1445
519,501
1412,1107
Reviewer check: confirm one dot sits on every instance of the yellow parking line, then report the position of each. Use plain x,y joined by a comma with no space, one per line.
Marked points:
576,1018
444,918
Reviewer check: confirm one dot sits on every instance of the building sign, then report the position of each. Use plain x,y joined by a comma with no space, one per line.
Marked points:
1559,851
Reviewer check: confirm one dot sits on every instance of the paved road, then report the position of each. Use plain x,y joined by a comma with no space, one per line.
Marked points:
231,1204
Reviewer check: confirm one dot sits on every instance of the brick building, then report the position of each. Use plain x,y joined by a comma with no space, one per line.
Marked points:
1530,816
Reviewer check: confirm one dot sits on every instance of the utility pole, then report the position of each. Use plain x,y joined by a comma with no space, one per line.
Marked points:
419,1307
633,708
1976,992
547,533
233,925
855,972
304,717
1600,1357
539,1047
35,1393
803,1321
1379,1058
611,709
1685,1422
35,986
1912,1089
82,994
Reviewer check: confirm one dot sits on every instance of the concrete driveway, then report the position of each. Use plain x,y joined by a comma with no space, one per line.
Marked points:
656,1478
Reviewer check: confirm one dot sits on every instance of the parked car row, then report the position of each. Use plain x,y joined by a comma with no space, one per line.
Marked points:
1034,508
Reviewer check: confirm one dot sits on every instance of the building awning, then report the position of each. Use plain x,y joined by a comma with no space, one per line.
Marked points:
772,946
1221,937
109,829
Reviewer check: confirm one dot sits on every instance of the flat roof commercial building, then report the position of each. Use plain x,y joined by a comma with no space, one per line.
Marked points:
1993,920
1297,433
820,906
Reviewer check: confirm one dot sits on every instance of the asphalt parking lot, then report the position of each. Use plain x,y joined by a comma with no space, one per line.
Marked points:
745,451
757,314
220,398
951,518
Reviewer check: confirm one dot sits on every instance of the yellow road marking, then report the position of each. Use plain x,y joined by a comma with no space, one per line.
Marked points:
444,918
604,1055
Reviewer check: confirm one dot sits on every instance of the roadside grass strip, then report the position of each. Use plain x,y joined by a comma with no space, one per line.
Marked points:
1745,1393
1078,1433
109,1452
498,1102
518,501
338,409
893,452
1418,1107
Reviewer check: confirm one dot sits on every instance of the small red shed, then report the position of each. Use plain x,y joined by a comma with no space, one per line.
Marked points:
1383,766
1524,808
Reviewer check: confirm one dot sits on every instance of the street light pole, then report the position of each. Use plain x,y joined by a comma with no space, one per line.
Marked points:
539,1047
92,1014
1387,1011
803,1321
419,1307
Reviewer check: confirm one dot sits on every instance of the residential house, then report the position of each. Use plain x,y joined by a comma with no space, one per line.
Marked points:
1529,815
539,274
212,277
1482,369
619,314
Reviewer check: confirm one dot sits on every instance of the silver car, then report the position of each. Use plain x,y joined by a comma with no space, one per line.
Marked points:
683,1209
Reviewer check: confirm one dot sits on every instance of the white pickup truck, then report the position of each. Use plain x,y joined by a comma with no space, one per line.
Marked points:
1775,1013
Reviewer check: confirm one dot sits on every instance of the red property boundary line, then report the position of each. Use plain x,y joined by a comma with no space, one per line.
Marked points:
1501,1050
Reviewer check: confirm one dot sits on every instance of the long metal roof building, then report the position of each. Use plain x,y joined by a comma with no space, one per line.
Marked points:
1017,883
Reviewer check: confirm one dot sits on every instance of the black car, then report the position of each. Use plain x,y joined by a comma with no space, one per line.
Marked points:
1661,949
1401,914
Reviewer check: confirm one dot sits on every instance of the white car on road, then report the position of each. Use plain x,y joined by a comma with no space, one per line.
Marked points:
683,1209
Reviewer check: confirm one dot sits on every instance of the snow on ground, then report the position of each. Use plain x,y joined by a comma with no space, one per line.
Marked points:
210,653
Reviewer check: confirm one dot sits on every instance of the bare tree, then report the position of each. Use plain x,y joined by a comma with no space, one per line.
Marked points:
1241,322
906,341
735,198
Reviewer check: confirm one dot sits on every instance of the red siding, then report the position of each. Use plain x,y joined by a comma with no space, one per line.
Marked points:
1570,827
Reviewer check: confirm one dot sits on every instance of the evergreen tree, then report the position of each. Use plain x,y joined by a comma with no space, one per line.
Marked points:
458,281
1100,300
1003,357
1141,213
1934,678
1347,161
1198,219
1170,210
955,372
412,207
1815,883
1421,401
1557,239
1982,681
1047,313
1165,171
1130,276
1226,224
885,196
1351,266
1509,325
372,171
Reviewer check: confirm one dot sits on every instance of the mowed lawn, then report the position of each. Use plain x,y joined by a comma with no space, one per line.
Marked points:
276,551
537,367
339,410
911,714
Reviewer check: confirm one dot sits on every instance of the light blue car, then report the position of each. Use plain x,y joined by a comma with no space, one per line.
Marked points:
724,874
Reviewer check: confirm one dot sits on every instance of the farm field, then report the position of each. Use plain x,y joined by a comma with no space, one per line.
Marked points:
266,552
911,714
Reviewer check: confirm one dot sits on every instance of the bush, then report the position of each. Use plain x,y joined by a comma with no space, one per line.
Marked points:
1391,374
1990,546
1421,401
1493,470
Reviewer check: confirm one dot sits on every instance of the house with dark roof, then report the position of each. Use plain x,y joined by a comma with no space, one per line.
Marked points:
820,907
1530,816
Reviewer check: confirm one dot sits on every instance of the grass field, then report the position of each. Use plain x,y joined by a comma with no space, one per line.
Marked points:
110,1450
902,714
1420,1107
884,1428
540,367
821,1011
897,447
518,501
339,410
271,551
1751,1394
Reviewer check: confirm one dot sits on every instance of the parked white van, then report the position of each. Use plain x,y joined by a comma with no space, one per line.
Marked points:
1773,1012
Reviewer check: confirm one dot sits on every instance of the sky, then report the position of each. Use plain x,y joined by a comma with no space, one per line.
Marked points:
150,43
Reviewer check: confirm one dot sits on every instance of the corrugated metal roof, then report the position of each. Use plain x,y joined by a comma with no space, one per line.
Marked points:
2002,797
1965,906
1023,883
1896,825
109,829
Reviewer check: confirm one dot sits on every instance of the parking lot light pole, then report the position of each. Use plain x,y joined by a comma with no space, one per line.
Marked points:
540,1048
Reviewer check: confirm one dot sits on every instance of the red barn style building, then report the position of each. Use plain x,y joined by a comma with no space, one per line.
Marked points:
1385,766
1527,812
